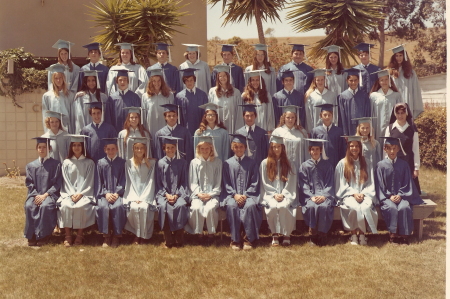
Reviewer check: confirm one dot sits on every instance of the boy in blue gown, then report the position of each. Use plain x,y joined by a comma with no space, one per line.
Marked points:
43,180
396,193
240,195
94,64
189,100
236,72
367,69
353,103
110,187
170,72
172,193
336,146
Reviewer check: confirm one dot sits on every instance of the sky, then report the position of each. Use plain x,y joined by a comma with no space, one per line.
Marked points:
282,29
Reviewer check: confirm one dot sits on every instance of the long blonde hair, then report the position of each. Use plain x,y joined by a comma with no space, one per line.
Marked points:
371,134
349,168
64,86
198,155
135,161
298,127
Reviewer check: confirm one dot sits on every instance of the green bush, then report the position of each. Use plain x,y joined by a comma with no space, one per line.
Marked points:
432,127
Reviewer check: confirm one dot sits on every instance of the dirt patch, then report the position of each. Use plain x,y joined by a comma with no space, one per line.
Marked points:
12,183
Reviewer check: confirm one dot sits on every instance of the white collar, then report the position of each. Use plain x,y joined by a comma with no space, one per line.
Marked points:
172,128
286,127
318,160
82,157
163,64
318,92
112,158
197,61
231,63
126,64
390,91
293,62
170,159
328,126
289,92
124,91
99,124
351,90
215,128
95,64
392,161
50,133
400,128
203,159
248,127
237,158
193,89
45,159
365,65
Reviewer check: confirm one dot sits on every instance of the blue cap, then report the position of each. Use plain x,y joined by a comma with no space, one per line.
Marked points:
364,47
352,71
298,47
249,107
240,138
42,139
56,68
162,46
228,48
391,140
169,139
170,107
326,107
110,140
92,46
287,74
188,72
121,71
316,142
98,105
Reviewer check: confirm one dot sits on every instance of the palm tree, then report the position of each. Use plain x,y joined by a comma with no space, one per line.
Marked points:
345,22
262,10
140,22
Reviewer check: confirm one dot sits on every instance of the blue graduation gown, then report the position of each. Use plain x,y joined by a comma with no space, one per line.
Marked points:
191,115
351,107
302,77
241,178
172,178
317,180
336,146
102,76
184,146
395,179
259,146
95,145
111,179
367,78
41,179
237,77
171,76
282,98
117,102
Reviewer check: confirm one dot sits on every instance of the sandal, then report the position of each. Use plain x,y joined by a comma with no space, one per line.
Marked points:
68,241
78,240
275,242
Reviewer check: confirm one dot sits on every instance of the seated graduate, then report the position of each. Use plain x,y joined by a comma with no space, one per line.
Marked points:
367,69
59,98
137,75
170,72
318,94
139,196
157,94
352,103
279,192
133,128
240,195
258,143
316,188
202,73
97,130
236,73
59,141
261,62
172,193
173,128
43,181
335,79
212,126
190,99
336,146
70,69
370,146
288,96
122,98
89,93
95,64
396,192
111,187
77,210
205,179
355,190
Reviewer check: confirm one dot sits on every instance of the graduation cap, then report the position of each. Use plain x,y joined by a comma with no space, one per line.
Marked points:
173,108
326,107
121,71
57,115
382,73
93,73
287,73
45,140
230,48
143,140
364,47
110,140
156,71
189,72
256,73
352,138
165,47
262,47
94,46
79,138
394,141
208,139
136,110
276,139
210,106
193,48
249,107
319,72
98,105
354,72
362,120
223,68
56,68
60,44
398,49
239,138
319,143
127,46
298,47
293,109
333,49
172,140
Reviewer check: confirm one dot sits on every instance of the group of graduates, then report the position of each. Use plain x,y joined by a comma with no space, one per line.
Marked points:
125,142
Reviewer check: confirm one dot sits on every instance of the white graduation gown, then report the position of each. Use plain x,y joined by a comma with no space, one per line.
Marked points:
313,113
228,113
136,79
61,104
296,146
381,109
203,75
410,91
153,112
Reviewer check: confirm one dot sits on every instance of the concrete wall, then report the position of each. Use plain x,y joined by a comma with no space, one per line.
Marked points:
434,89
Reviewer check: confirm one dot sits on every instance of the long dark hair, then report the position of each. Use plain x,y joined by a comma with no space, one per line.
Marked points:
229,88
85,88
349,168
249,92
376,86
71,153
340,67
406,66
204,122
266,63
272,170
69,61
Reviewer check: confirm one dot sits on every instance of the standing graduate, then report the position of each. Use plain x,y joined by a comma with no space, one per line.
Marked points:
294,135
137,76
170,73
122,98
396,192
95,55
139,196
59,141
110,189
70,70
172,193
279,192
336,146
383,97
303,77
133,128
255,93
370,146
77,201
367,76
258,143
353,103
157,94
406,81
240,195
205,179
316,188
190,99
288,96
226,96
318,94
261,62
236,73
59,98
202,72
335,78
173,128
355,190
43,180
212,126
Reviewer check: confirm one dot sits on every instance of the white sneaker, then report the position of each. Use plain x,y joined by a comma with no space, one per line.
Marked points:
362,240
354,240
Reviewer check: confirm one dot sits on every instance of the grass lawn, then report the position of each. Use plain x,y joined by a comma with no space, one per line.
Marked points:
338,270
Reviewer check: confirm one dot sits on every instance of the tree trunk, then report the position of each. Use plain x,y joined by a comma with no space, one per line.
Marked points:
262,40
382,36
